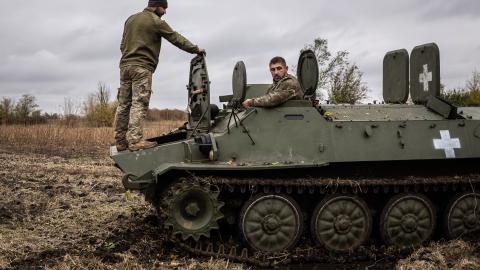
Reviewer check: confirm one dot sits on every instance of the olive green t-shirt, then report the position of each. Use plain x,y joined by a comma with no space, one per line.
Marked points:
142,40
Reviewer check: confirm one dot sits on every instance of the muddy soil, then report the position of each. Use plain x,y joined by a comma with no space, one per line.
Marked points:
71,212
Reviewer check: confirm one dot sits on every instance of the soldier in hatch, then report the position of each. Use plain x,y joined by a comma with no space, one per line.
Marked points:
284,87
141,43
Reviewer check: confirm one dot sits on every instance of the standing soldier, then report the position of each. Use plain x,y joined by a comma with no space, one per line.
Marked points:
284,87
141,43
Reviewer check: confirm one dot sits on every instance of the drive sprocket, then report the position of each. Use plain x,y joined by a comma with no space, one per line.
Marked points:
191,209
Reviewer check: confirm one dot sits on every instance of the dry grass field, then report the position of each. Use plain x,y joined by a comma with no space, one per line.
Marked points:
56,139
62,207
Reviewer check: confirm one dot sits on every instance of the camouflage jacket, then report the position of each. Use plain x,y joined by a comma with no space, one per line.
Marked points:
285,89
142,40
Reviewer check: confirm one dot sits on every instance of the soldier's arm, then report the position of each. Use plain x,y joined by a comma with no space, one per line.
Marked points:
285,91
175,38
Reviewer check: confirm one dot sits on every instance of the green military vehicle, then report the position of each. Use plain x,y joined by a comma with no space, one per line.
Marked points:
305,179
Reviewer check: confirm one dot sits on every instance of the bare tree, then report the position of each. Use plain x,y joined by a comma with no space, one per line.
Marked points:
347,86
473,84
6,106
70,110
335,73
98,109
25,107
103,94
468,96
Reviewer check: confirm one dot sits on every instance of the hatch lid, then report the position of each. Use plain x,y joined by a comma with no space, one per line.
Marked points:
424,73
395,77
239,81
199,96
307,72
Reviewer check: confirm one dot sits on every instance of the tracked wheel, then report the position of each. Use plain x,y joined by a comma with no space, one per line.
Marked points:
407,220
192,210
341,223
463,215
271,223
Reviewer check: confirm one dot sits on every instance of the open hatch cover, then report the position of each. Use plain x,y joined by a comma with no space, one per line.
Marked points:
307,72
199,95
239,82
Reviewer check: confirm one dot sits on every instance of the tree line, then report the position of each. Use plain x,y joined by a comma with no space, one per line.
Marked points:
96,111
340,81
466,96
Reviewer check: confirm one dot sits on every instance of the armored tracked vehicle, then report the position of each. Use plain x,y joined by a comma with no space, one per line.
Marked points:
303,179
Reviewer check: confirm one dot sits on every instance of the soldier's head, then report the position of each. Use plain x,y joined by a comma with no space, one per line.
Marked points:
158,6
278,68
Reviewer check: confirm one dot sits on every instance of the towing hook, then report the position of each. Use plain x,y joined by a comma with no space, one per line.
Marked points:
129,182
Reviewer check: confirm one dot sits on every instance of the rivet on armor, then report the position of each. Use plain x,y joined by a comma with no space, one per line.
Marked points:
477,132
321,148
368,131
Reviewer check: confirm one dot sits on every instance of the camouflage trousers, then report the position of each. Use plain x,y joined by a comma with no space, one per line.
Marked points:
133,100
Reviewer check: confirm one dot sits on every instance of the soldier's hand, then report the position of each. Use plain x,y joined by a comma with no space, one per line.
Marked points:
248,103
201,52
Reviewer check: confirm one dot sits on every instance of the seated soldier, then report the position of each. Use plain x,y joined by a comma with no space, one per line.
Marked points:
284,87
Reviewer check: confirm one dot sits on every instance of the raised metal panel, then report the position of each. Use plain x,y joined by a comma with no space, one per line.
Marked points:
395,76
307,72
239,81
442,107
199,95
256,90
424,72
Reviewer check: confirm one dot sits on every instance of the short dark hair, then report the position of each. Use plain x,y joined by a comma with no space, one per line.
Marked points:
158,3
278,60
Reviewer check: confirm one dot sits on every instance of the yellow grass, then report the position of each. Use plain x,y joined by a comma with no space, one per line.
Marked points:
73,140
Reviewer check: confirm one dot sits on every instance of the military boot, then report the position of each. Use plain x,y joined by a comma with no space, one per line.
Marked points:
141,145
121,146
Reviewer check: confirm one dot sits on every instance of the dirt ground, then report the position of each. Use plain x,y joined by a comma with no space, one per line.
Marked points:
62,211
72,213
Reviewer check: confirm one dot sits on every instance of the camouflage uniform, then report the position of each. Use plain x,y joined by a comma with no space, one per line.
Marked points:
140,47
285,89
133,100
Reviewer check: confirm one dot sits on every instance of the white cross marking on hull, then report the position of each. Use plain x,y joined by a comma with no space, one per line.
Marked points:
447,144
425,77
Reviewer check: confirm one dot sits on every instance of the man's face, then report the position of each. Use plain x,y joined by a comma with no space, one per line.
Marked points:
278,71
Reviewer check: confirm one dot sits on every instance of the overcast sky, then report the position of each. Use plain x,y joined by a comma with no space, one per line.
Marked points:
55,48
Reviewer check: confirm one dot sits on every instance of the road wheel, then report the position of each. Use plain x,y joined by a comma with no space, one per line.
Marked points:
271,223
341,223
463,215
407,220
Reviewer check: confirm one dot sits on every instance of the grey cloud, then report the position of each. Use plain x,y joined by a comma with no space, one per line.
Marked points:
441,10
58,48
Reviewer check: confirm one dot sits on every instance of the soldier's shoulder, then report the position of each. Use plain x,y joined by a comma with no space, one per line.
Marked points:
291,77
139,17
291,80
